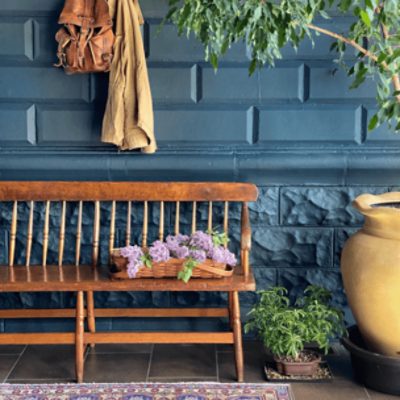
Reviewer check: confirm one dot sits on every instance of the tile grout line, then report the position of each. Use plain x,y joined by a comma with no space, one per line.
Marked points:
150,361
14,365
367,393
216,363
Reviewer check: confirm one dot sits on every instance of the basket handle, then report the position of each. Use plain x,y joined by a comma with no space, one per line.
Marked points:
216,271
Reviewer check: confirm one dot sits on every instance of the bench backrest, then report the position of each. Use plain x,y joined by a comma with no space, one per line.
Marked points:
66,206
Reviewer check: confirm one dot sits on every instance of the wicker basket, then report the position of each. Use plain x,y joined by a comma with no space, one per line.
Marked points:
207,270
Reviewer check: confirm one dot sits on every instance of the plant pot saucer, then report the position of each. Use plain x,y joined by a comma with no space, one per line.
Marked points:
324,374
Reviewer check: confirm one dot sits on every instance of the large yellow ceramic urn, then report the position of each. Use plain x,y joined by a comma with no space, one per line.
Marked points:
371,272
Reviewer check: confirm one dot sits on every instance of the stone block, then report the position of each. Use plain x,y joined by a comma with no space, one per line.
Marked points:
75,124
43,83
17,124
331,123
341,236
327,206
333,83
201,125
167,46
171,84
290,247
229,84
263,211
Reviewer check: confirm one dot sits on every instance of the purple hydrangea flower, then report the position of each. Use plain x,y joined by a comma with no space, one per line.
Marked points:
173,242
221,255
131,252
159,252
201,240
133,267
198,255
182,252
134,255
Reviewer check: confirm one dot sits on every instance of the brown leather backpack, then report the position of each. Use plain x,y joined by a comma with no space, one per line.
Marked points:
85,43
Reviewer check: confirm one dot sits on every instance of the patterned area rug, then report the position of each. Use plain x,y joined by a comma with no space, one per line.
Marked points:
146,391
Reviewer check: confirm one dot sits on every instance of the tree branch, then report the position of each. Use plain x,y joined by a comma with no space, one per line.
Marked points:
372,56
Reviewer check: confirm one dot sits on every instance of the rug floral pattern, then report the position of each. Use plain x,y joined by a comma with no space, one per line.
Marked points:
146,391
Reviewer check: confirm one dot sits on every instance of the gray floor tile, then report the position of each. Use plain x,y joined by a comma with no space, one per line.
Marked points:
38,381
184,361
7,363
253,367
11,349
187,379
121,348
339,389
127,367
46,362
373,395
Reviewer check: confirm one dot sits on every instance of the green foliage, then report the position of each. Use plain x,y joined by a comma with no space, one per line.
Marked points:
186,273
266,26
286,328
147,261
219,239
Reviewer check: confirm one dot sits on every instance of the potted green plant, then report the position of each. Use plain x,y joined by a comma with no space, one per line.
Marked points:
287,328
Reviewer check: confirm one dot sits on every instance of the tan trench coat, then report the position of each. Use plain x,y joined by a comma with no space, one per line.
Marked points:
129,120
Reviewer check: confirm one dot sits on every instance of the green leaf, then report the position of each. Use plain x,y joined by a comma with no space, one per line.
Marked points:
373,122
253,67
365,18
214,61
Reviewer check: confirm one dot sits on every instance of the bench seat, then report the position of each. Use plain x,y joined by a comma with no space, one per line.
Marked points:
69,278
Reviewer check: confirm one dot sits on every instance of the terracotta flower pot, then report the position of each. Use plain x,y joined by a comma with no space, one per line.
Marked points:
306,368
371,272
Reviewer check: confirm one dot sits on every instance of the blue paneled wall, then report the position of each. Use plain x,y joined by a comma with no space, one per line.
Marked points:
296,130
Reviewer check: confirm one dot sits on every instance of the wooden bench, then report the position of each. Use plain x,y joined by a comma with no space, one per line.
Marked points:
86,278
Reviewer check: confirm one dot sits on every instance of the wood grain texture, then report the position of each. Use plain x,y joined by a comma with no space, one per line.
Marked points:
245,241
117,312
96,233
46,231
128,224
160,337
87,278
79,337
162,221
78,234
126,191
13,234
237,333
61,241
29,234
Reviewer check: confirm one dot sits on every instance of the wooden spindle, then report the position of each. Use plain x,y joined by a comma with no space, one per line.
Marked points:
194,217
145,223
13,233
29,234
112,227
226,220
210,216
128,224
61,241
245,239
177,217
78,234
161,232
46,230
96,233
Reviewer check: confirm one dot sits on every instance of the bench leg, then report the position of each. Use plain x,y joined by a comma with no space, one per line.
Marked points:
230,307
237,333
90,314
79,337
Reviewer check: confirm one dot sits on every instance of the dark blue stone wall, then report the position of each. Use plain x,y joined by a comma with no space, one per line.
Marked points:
296,131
